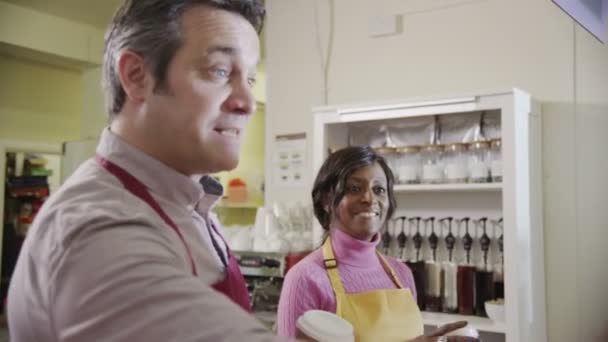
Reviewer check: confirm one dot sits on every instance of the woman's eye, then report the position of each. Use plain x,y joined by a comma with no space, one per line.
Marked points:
251,81
379,190
354,188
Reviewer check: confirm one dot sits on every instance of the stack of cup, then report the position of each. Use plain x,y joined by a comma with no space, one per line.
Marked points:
323,326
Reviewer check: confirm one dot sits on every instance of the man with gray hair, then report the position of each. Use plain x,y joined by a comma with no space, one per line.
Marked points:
127,249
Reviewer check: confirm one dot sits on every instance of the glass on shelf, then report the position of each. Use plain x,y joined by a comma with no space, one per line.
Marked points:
496,160
455,160
478,162
432,167
408,165
388,153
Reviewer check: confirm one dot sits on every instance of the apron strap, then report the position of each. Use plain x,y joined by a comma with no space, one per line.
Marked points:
389,270
138,189
331,266
216,246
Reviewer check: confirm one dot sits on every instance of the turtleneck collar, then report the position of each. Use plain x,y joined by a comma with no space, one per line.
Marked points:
353,252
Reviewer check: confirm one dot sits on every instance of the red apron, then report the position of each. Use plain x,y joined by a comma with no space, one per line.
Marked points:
233,285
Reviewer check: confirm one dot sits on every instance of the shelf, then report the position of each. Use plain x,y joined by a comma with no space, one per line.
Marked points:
479,323
245,205
466,187
28,192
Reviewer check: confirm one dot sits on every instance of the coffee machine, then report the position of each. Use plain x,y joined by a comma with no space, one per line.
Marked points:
263,272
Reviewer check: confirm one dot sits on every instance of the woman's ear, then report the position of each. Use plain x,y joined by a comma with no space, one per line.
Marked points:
326,203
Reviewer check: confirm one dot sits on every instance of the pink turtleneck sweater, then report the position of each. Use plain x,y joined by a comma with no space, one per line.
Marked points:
307,286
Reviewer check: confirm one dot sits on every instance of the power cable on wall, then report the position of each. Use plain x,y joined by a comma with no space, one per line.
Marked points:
325,54
576,183
435,8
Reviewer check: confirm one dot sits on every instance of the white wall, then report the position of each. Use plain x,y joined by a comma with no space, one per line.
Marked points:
94,115
38,102
58,38
461,46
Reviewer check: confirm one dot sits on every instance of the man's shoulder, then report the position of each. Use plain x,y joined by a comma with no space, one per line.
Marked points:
89,199
88,191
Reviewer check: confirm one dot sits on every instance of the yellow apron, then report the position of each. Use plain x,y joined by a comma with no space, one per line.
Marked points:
390,315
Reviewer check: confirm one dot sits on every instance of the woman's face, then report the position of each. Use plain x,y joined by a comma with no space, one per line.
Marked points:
362,211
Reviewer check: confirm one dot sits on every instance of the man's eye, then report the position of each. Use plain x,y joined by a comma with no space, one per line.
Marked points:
220,72
252,81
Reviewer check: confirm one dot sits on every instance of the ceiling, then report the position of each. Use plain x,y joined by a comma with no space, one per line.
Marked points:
93,12
97,13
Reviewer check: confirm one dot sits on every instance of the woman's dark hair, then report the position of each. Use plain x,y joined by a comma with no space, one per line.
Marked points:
329,187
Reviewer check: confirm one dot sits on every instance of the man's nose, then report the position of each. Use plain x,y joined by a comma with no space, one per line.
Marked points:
241,100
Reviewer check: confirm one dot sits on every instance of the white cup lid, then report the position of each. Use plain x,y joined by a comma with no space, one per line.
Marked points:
325,326
466,331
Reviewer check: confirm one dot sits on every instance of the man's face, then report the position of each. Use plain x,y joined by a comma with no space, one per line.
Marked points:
201,111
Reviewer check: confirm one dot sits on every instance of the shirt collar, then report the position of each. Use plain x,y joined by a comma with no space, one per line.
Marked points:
351,251
195,192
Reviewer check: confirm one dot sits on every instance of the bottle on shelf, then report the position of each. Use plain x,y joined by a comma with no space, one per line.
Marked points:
416,265
484,277
432,270
466,275
499,281
449,272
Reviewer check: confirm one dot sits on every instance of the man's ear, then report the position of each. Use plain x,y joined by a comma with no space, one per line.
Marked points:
133,75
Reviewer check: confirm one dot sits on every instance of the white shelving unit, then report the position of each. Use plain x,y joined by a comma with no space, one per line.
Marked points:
467,187
518,199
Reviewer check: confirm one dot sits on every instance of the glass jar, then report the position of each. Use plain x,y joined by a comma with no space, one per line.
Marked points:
455,161
496,160
432,167
408,165
389,155
479,153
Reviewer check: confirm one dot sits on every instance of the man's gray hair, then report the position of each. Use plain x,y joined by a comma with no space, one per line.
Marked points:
151,28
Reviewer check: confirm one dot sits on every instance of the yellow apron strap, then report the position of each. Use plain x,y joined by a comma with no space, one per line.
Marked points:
389,270
331,266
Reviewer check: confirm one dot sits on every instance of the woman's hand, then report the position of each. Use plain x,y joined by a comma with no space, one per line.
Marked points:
438,335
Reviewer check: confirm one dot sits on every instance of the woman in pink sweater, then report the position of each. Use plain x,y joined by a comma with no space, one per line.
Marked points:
352,198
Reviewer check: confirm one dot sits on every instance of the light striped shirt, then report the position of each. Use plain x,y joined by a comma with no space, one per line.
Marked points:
99,264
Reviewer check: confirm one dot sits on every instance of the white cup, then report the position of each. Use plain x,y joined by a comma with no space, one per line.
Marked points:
323,326
467,331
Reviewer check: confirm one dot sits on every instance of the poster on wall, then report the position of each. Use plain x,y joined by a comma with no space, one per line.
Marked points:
290,159
590,14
